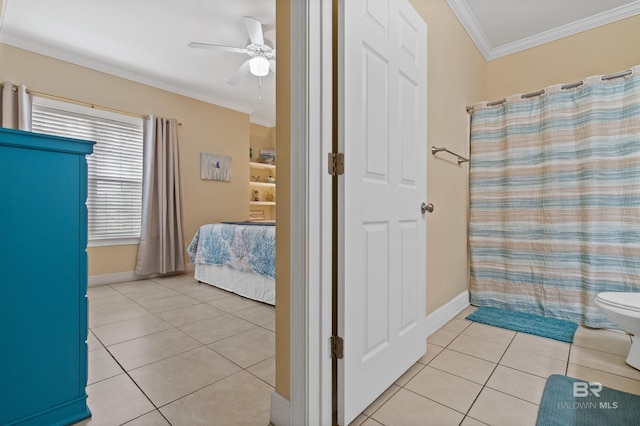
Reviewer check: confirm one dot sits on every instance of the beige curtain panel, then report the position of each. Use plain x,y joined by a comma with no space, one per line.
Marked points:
15,107
161,249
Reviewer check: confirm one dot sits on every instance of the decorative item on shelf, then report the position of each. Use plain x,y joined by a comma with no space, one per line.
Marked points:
256,195
256,215
267,156
269,196
255,178
270,180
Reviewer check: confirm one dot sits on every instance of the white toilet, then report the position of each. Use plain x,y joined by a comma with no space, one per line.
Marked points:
624,310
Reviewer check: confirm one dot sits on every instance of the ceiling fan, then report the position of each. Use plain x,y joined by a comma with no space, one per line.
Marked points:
261,57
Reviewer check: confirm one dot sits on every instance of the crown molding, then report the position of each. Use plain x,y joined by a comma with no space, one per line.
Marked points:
470,24
262,121
2,10
63,55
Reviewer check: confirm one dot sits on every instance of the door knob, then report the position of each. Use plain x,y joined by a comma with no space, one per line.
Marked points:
424,207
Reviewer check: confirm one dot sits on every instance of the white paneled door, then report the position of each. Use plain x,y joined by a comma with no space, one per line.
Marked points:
382,230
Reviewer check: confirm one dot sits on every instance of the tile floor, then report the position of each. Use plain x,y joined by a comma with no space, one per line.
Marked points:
475,374
171,351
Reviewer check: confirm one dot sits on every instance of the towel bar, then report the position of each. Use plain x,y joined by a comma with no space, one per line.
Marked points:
461,159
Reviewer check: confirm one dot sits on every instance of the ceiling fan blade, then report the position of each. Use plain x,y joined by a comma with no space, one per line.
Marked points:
254,28
242,71
272,65
217,47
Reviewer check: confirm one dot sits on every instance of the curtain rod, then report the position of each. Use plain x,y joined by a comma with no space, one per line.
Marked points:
74,101
563,87
87,104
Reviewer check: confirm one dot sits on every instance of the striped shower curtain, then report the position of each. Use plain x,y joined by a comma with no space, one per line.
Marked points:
555,199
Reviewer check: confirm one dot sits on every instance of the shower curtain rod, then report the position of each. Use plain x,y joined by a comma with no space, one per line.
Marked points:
563,87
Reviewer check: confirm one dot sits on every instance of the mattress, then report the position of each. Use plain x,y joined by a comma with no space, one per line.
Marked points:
237,257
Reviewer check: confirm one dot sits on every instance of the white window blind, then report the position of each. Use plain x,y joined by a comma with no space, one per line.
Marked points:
114,169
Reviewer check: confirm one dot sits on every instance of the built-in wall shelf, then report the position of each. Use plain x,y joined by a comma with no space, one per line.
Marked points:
255,165
263,184
262,190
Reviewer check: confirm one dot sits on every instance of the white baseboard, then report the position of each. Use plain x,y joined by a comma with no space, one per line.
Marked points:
120,277
117,277
447,312
280,410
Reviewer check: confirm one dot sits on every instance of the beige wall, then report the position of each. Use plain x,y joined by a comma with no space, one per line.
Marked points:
456,73
205,128
283,110
112,259
603,50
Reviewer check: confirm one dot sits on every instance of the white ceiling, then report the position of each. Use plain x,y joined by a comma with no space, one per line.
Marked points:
502,27
146,40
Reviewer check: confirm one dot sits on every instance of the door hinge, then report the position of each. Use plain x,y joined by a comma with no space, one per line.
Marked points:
337,347
336,163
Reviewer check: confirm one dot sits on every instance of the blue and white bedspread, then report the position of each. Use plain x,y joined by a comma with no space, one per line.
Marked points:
247,248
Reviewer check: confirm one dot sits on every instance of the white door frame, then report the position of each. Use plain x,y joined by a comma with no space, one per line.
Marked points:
311,217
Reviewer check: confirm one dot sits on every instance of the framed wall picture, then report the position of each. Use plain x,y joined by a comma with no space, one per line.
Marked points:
215,167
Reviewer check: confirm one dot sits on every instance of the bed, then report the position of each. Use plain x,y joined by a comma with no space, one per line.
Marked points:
237,256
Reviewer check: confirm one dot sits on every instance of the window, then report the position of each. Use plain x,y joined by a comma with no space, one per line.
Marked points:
115,168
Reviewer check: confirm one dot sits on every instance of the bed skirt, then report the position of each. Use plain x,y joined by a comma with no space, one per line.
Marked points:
246,284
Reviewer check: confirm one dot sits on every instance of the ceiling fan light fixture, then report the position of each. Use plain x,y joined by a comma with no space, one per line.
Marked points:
259,66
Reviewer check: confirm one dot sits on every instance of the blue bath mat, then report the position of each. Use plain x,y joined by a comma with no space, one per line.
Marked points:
569,401
552,328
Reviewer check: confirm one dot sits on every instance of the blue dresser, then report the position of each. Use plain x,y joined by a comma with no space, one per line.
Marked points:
43,279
